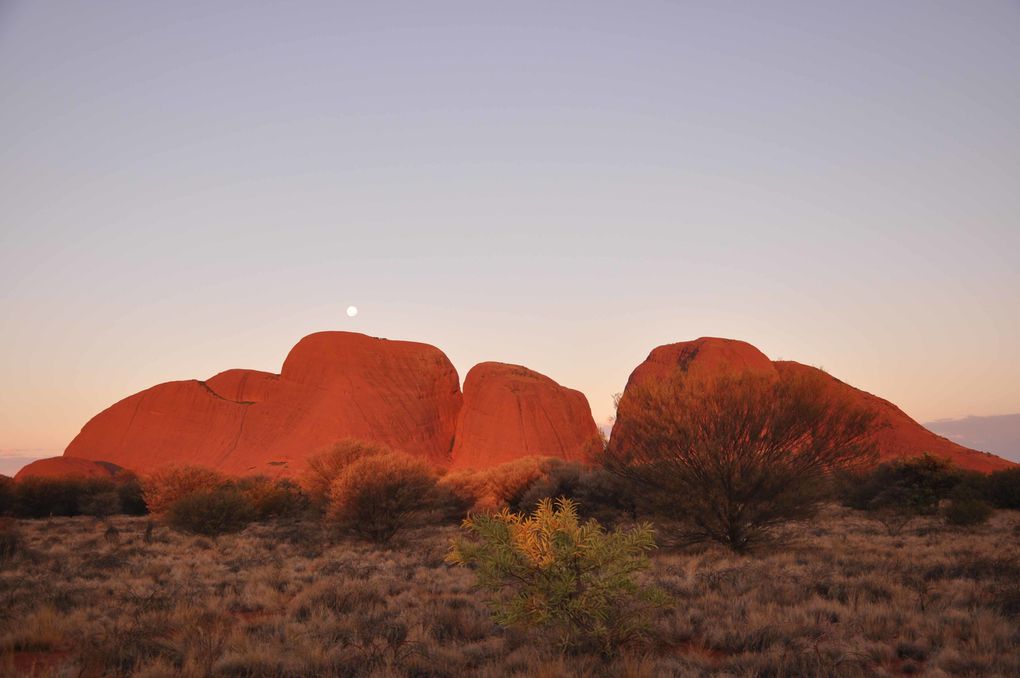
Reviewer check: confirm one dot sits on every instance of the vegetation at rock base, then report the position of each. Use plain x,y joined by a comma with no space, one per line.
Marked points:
551,571
324,467
379,494
1003,488
731,458
212,512
254,577
841,597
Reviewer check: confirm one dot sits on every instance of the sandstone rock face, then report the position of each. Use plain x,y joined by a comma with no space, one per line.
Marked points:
244,386
68,467
333,385
511,412
900,437
702,357
897,435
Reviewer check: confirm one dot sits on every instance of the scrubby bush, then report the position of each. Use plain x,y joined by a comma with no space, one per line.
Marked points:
1004,488
964,511
324,467
101,504
379,494
165,487
550,571
273,498
10,540
918,484
504,485
522,483
6,495
211,512
36,497
730,458
129,490
896,492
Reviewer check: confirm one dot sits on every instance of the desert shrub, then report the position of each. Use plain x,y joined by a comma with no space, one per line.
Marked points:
101,497
967,511
324,467
522,483
1003,488
273,498
10,540
499,486
896,492
379,494
165,487
550,571
919,484
41,497
211,512
100,504
607,497
132,499
559,478
6,495
732,457
598,493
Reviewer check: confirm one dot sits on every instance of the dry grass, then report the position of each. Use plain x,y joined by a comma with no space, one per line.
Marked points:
841,598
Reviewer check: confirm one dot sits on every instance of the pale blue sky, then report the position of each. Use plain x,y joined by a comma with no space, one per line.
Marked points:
191,186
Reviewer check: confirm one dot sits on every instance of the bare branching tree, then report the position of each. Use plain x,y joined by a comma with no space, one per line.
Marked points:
733,456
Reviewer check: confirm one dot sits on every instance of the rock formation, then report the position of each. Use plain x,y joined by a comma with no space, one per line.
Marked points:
333,385
406,395
68,467
897,435
511,412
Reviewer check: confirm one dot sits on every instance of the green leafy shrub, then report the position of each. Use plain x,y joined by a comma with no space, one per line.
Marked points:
1003,488
550,571
211,512
379,494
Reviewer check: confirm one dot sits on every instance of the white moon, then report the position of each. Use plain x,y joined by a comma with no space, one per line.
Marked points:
352,311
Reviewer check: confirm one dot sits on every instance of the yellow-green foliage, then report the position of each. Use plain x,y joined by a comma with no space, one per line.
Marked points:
549,570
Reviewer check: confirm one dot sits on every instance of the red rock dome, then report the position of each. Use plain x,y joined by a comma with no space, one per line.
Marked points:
897,435
333,385
68,467
511,412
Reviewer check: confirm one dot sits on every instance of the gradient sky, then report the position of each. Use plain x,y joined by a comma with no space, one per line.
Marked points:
191,186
